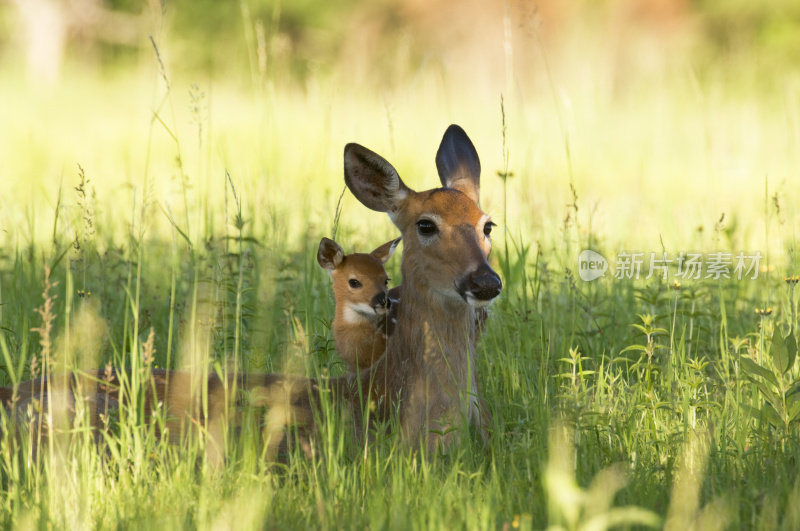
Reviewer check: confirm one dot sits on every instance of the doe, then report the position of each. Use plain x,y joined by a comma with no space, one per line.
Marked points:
428,372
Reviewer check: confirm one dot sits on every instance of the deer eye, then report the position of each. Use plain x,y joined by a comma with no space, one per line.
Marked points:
386,282
355,284
487,229
426,227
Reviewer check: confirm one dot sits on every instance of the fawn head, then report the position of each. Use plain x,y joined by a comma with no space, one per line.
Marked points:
360,282
447,237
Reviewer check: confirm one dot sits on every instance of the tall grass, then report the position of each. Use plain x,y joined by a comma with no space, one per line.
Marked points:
178,230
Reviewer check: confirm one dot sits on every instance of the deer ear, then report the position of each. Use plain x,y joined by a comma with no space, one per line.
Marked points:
385,251
329,254
458,164
373,181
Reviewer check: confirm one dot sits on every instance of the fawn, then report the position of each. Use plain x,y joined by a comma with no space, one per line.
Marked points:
428,370
360,288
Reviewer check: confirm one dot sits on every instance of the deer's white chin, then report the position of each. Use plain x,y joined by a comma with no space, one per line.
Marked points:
476,302
355,313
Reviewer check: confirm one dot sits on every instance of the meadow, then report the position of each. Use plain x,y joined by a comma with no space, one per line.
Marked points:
159,215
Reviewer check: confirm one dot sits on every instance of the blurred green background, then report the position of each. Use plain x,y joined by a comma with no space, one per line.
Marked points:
298,39
660,116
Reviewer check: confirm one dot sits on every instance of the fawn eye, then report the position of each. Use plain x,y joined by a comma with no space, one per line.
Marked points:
487,229
355,284
426,227
386,282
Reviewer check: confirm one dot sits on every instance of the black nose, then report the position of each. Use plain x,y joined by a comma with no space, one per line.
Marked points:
484,284
379,300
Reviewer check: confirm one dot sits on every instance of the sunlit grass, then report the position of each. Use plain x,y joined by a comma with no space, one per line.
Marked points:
201,206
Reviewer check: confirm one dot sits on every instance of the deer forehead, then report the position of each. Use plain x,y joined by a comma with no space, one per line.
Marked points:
444,205
363,265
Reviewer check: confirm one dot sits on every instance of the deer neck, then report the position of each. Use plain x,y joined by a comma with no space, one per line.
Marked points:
431,328
358,336
430,362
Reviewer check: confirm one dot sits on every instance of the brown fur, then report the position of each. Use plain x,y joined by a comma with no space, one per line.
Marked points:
362,344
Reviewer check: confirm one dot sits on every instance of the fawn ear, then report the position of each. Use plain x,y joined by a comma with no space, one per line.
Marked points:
458,164
329,254
373,180
385,251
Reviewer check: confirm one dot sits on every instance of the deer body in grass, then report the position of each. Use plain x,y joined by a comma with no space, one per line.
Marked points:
360,288
428,371
178,401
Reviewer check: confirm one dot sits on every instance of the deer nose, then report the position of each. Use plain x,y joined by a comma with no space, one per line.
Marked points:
484,284
379,300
